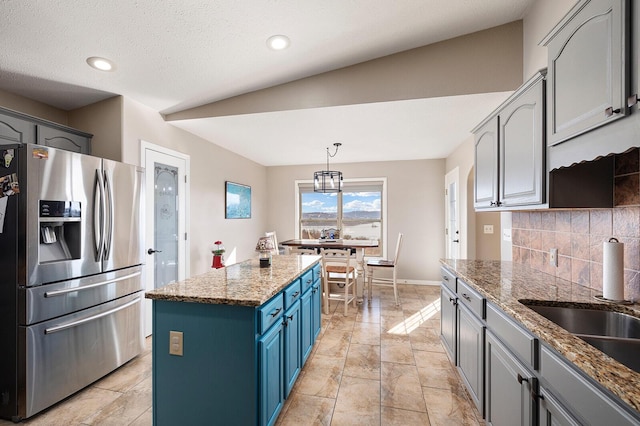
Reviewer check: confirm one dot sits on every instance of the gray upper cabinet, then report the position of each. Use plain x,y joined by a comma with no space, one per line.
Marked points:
58,138
509,150
486,165
588,53
16,131
18,128
522,146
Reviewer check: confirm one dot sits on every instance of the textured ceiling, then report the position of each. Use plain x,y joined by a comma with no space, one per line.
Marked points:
175,54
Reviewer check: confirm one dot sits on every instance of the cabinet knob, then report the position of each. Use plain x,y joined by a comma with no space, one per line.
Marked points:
610,111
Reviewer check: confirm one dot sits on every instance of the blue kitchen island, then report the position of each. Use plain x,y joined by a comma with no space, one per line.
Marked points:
228,345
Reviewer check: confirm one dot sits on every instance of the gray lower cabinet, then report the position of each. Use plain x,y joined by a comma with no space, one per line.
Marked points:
510,386
470,353
587,59
470,340
448,304
552,413
576,396
514,378
58,138
16,131
510,170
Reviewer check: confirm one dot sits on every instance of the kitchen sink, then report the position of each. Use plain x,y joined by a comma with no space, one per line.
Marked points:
614,333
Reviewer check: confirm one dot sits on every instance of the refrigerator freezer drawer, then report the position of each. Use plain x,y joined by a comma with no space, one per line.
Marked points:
53,300
62,356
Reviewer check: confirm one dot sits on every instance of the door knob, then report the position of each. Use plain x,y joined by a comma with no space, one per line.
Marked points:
455,241
151,251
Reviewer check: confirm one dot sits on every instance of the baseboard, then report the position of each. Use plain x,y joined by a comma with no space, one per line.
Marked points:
419,282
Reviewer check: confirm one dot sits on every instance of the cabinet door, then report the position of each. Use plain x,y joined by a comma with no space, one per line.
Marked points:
316,305
15,130
508,389
57,138
306,320
587,75
552,413
271,394
522,145
448,320
291,347
470,353
486,165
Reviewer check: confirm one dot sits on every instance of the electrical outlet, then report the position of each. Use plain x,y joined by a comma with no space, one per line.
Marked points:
553,257
488,229
175,343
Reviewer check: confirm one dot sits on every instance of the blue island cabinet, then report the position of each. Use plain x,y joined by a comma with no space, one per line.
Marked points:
239,363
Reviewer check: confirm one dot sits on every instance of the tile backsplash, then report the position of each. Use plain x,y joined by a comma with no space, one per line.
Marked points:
578,234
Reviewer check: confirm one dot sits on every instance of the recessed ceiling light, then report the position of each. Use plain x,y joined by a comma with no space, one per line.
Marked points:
101,64
278,42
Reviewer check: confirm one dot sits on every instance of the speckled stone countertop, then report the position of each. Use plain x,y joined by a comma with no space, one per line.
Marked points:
506,283
244,283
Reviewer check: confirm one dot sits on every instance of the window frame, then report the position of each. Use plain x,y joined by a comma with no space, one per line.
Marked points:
354,181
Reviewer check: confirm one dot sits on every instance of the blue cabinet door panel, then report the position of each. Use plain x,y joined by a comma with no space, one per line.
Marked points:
271,368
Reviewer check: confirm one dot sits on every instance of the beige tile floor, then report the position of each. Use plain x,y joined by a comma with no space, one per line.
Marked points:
379,365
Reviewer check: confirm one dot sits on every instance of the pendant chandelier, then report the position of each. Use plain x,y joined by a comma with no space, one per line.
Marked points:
328,180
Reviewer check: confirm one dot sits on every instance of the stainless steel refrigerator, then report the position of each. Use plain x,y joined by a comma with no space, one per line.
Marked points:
71,288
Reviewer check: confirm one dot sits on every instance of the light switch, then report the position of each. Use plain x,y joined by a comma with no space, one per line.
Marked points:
175,343
488,229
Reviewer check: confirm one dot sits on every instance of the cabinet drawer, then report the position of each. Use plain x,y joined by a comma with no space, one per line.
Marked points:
520,341
292,293
316,271
471,299
270,312
448,279
307,279
582,397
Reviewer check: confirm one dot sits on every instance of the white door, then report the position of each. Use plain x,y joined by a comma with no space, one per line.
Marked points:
166,234
452,214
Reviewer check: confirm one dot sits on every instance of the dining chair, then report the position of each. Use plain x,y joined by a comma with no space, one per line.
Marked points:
377,265
272,234
338,269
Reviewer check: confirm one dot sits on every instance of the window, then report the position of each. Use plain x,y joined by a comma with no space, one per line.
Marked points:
357,212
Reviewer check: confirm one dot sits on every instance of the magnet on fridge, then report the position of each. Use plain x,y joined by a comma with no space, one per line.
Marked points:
7,157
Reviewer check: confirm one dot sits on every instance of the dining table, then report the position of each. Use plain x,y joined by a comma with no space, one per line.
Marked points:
358,246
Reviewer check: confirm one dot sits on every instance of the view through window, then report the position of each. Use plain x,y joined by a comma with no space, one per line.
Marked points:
356,212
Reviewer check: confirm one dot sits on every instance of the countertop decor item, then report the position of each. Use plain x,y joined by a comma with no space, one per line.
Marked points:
264,246
328,180
218,255
613,270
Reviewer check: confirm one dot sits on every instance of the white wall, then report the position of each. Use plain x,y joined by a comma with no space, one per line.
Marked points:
539,21
415,207
462,158
211,165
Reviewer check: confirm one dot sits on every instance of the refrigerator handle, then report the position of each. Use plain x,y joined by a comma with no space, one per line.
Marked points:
110,224
98,216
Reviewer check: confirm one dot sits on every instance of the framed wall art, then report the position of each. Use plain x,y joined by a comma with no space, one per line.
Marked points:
237,201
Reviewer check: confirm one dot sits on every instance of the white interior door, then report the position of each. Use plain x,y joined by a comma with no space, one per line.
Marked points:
452,214
166,219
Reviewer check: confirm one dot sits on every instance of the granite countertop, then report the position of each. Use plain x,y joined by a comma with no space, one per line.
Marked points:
243,284
505,283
